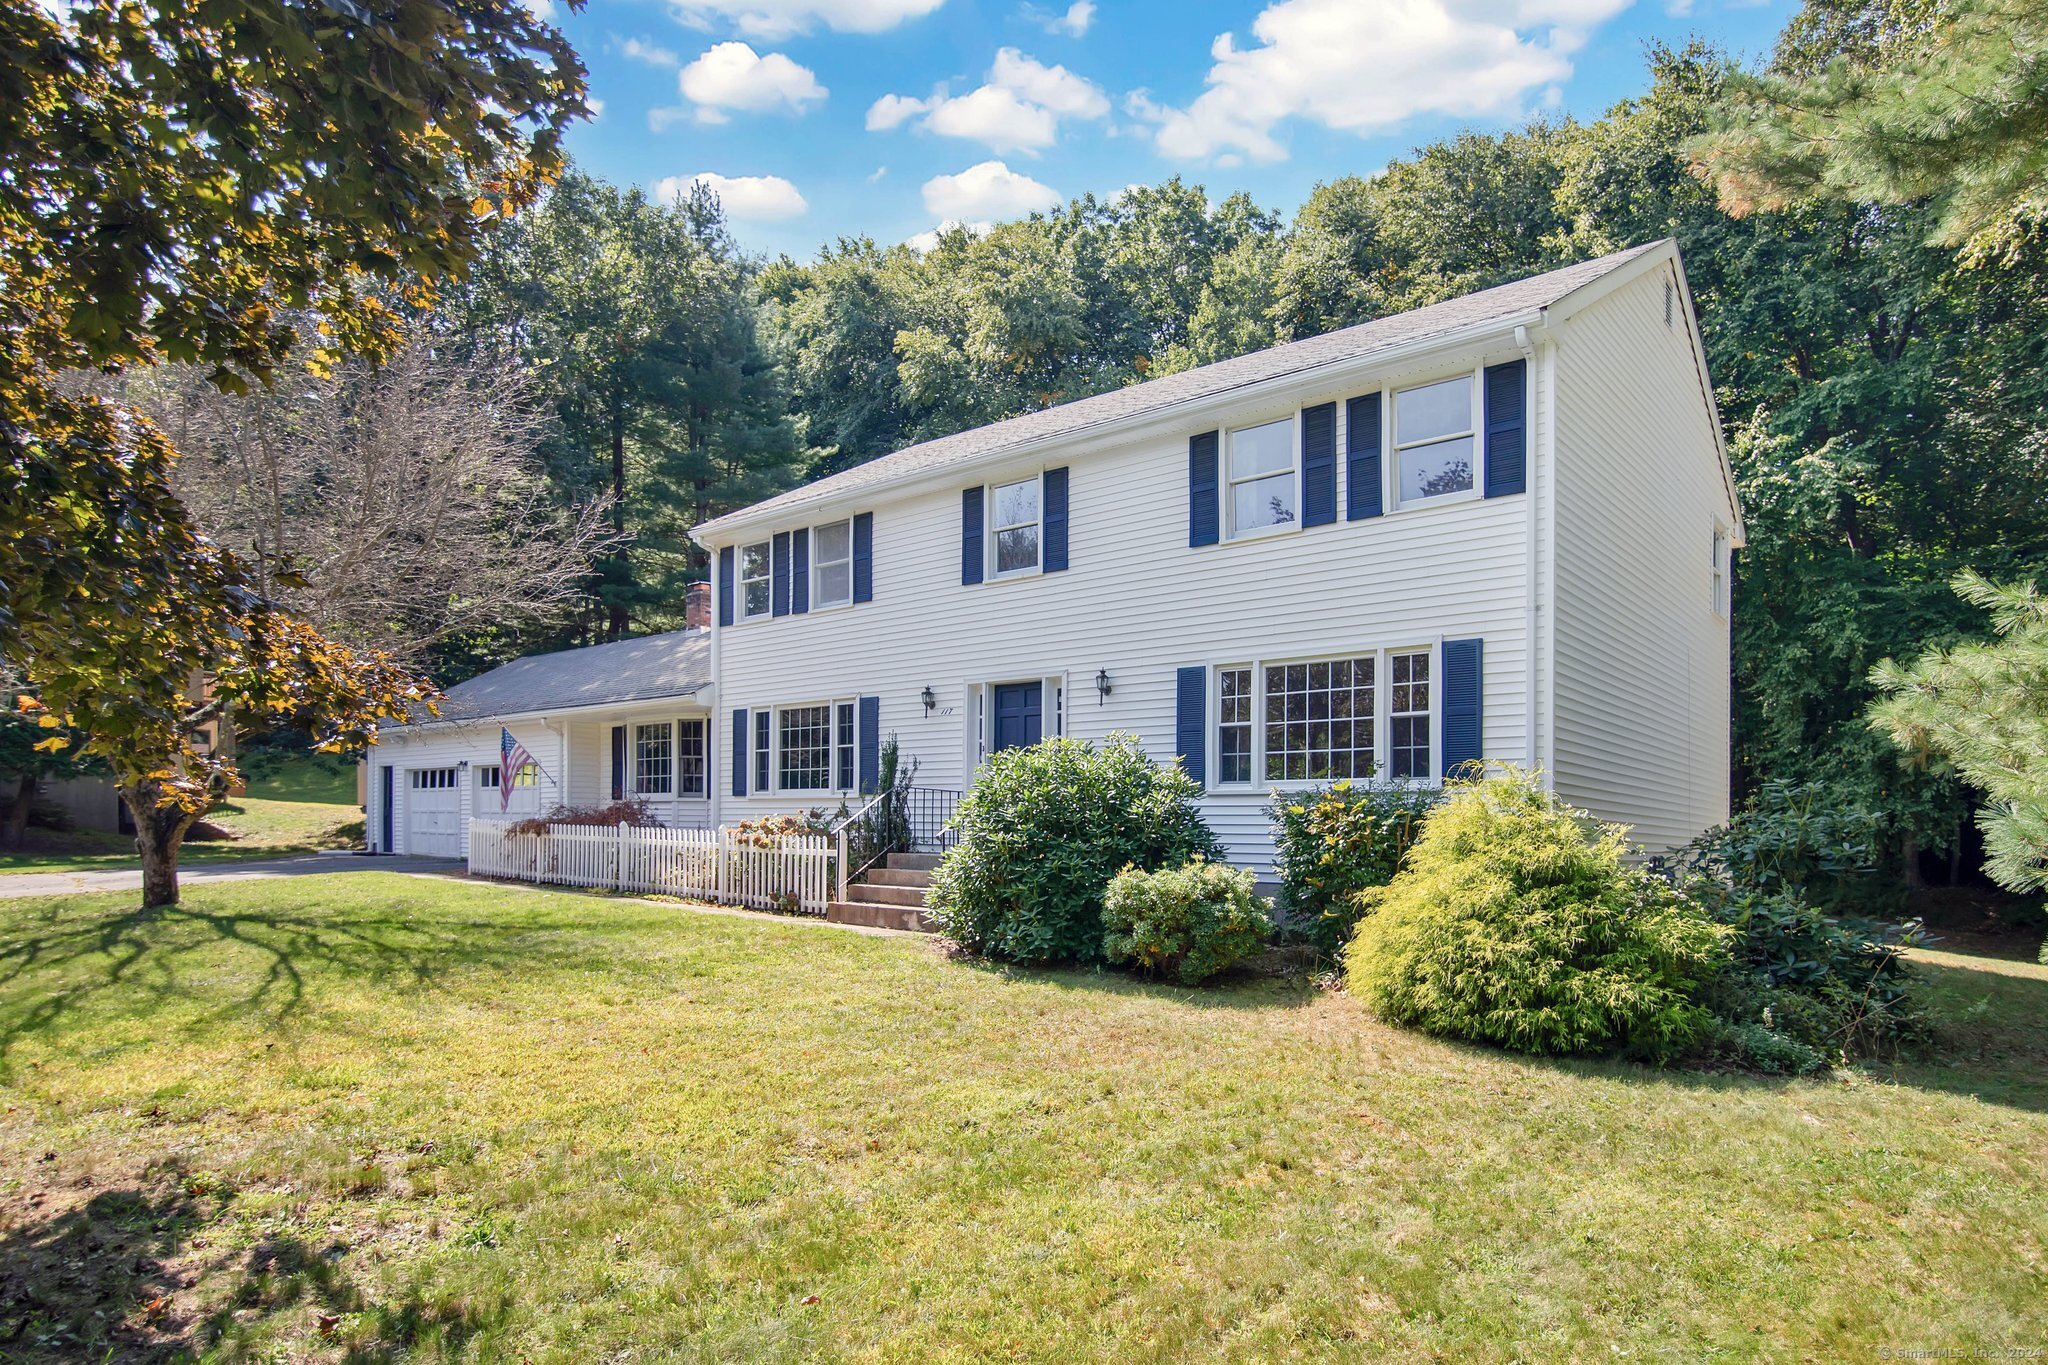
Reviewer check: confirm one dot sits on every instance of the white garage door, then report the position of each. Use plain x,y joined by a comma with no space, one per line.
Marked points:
433,813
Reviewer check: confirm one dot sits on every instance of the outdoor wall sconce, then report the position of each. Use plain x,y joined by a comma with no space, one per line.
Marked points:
1102,687
930,700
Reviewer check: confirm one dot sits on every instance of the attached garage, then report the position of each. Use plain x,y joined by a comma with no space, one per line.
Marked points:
433,813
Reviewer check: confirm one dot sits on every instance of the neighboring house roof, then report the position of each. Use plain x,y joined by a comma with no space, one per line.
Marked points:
1470,312
644,669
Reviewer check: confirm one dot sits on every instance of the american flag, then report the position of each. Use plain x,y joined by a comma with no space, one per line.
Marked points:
512,756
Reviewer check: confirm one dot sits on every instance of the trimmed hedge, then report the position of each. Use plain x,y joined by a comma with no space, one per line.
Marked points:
1188,922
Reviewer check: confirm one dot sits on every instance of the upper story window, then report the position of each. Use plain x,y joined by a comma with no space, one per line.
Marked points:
832,565
1434,439
1015,526
755,563
1260,475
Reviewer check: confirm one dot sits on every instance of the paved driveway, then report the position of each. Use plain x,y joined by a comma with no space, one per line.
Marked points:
18,884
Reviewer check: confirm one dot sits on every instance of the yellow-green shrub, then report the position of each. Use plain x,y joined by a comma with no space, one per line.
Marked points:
1189,922
1516,922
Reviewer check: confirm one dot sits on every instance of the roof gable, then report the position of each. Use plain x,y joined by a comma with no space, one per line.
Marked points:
1452,317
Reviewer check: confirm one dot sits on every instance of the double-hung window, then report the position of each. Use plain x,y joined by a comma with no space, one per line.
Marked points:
1018,511
845,745
804,748
764,736
1408,715
1234,725
691,772
1434,440
832,565
755,562
1262,484
653,759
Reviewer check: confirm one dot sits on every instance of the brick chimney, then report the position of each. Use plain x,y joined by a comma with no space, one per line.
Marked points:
697,606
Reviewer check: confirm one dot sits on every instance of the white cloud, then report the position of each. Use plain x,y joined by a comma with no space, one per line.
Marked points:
665,117
734,76
781,18
1073,22
543,10
758,198
891,110
876,178
640,50
1018,109
925,241
986,191
1464,58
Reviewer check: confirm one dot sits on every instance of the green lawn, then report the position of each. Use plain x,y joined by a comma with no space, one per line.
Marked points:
302,806
370,1114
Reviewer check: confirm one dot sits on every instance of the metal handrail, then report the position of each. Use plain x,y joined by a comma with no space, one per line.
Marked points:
839,831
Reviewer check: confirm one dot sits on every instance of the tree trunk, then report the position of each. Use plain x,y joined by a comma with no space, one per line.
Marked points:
1912,858
159,832
14,829
615,624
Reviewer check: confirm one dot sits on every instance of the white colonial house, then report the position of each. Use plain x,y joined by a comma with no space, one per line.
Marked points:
1495,528
631,718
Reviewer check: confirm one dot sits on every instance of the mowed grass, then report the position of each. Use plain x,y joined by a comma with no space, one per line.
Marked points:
299,806
368,1115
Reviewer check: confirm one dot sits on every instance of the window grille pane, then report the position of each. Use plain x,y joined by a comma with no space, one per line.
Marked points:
1264,449
846,746
1017,503
1434,410
762,738
1234,725
1433,470
1017,549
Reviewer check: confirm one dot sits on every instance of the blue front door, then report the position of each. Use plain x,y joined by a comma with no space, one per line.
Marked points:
1018,710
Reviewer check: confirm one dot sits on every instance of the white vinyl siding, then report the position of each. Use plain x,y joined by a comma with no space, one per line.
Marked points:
1641,675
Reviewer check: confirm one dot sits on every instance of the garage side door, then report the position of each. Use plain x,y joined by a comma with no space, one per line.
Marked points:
433,813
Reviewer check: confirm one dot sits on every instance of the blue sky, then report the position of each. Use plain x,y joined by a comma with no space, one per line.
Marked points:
828,118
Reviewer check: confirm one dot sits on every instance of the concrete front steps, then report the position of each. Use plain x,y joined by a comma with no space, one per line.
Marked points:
890,896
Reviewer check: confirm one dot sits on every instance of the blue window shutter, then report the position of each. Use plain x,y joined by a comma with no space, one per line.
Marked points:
864,557
870,741
1507,429
778,580
800,572
618,763
1191,722
1319,465
1464,688
385,789
1055,486
1362,455
1205,503
739,752
725,586
971,553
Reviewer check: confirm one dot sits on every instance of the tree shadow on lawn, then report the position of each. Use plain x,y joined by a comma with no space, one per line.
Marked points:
119,1274
1234,990
52,969
1990,1034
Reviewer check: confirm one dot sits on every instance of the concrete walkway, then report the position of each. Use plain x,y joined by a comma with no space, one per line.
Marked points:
15,885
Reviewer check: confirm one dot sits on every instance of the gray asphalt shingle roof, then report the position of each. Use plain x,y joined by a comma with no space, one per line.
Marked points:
644,669
1208,381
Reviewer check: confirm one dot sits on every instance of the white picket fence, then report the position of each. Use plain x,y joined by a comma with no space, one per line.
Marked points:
794,873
